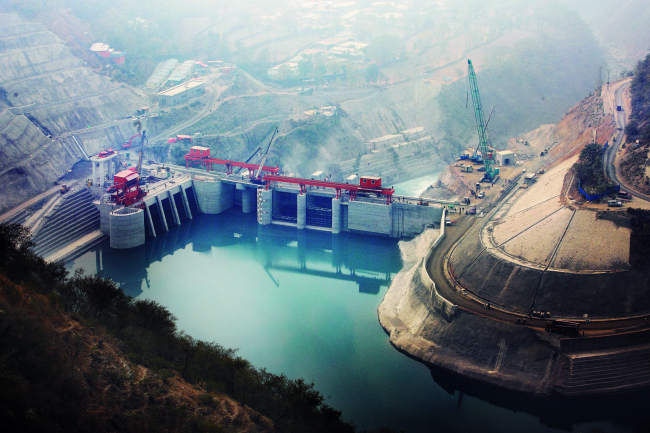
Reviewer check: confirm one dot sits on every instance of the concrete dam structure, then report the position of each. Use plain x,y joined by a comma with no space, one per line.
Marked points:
171,202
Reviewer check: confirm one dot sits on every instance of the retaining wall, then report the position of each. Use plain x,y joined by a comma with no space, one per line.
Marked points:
586,344
370,218
440,304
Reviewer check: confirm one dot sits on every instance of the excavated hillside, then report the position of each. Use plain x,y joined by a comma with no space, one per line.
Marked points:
307,143
53,105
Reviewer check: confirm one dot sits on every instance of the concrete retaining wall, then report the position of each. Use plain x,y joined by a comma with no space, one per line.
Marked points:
410,220
104,211
127,228
248,200
440,304
370,218
590,344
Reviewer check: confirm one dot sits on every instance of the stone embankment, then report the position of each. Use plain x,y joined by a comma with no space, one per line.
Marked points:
430,329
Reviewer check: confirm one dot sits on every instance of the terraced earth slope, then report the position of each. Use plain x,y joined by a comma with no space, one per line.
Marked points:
47,96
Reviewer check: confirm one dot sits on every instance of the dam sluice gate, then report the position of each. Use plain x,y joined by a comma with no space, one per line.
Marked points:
168,204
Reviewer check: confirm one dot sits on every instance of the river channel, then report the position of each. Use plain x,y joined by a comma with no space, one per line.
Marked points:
304,303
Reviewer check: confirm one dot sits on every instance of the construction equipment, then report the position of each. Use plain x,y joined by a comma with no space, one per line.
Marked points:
258,178
476,158
64,188
483,136
250,158
139,127
128,143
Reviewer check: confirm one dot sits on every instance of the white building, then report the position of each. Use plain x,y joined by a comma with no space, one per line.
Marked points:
181,93
505,157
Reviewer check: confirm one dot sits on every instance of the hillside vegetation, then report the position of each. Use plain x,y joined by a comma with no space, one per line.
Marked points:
77,354
635,160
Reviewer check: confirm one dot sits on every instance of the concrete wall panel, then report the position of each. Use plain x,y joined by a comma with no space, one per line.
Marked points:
214,196
370,218
127,228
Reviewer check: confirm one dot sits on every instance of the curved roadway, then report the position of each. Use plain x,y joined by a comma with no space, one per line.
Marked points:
610,155
471,305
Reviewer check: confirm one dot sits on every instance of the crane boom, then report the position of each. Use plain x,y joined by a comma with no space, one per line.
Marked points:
259,170
139,168
483,137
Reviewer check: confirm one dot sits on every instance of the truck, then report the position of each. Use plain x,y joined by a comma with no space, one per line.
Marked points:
619,108
563,327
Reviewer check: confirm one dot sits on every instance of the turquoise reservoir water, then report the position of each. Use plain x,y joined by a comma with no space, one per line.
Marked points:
304,303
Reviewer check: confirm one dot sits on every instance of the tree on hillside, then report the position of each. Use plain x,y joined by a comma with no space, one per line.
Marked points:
590,153
372,73
385,48
305,66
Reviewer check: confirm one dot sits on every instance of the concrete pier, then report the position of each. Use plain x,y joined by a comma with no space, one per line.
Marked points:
127,228
336,215
186,204
214,196
103,167
163,220
149,221
248,200
302,211
177,219
264,206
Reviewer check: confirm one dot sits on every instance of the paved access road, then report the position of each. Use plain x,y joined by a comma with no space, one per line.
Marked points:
610,156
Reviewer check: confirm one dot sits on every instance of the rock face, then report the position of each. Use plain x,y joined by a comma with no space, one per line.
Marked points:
46,96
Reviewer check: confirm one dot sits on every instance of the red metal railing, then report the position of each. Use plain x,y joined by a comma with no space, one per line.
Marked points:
388,192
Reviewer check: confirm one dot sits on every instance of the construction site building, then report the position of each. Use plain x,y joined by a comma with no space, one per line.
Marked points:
159,76
181,93
182,72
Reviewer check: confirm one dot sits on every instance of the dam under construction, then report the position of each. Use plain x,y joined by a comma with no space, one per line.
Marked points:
128,213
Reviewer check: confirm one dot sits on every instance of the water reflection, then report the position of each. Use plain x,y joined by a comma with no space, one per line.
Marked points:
368,261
